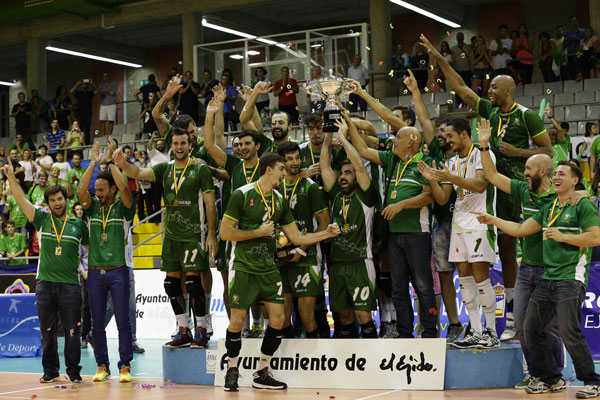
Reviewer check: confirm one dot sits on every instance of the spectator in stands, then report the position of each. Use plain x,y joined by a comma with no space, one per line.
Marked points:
75,138
39,118
84,92
19,144
54,178
558,54
230,114
263,100
3,158
172,72
594,156
400,60
545,63
462,59
523,51
314,100
285,90
571,43
15,213
157,155
171,112
361,75
61,108
559,136
13,159
144,187
56,138
150,87
74,175
13,244
61,164
36,193
419,64
206,88
482,70
22,113
586,56
501,48
30,169
108,106
439,78
146,115
591,129
188,100
43,157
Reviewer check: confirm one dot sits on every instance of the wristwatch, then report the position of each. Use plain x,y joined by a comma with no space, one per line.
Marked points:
484,148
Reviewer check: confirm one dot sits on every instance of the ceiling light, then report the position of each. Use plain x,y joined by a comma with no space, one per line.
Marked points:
227,30
314,46
425,13
253,52
7,83
93,57
236,56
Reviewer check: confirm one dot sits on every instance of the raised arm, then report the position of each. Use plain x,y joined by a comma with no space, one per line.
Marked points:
79,82
293,233
18,193
441,193
325,162
162,123
83,189
217,153
502,182
420,108
132,171
358,143
527,228
249,109
362,177
121,181
451,75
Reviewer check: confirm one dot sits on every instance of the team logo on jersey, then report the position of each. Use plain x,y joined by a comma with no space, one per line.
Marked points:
251,202
168,176
567,215
235,298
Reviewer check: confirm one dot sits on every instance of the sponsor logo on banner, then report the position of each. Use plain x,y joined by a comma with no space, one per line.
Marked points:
417,364
19,326
500,303
590,312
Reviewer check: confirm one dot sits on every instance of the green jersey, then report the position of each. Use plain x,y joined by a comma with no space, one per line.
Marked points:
531,203
595,149
240,174
185,217
247,208
16,213
118,219
444,212
308,156
306,200
61,268
409,185
13,246
36,196
78,172
354,214
563,261
515,127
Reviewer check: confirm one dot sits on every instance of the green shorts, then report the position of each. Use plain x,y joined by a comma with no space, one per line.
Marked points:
352,285
302,280
508,207
245,288
183,256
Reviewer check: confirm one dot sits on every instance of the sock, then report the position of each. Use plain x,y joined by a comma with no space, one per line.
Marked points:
468,293
313,335
392,310
385,310
487,298
348,331
264,361
208,303
201,321
186,296
182,320
368,330
288,332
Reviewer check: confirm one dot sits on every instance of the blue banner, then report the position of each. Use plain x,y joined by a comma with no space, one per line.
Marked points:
19,326
590,314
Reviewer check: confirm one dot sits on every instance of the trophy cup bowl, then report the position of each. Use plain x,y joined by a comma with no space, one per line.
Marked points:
283,246
330,89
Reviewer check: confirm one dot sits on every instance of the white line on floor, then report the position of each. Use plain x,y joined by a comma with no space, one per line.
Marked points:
29,390
380,394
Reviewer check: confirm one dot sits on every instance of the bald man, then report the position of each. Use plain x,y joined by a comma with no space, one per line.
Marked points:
531,194
406,208
513,126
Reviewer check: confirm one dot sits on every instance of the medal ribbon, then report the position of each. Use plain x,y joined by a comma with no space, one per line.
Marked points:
293,190
105,218
403,169
253,172
500,130
180,180
552,220
466,161
59,237
345,209
270,210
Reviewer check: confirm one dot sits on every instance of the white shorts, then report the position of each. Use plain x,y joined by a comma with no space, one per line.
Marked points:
476,246
108,113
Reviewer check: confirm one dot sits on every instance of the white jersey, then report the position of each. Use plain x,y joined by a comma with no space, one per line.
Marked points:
466,201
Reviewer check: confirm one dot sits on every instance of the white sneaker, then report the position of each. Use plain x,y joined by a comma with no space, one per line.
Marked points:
489,339
209,328
510,332
470,341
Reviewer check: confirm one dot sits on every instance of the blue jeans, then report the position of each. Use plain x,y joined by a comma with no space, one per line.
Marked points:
528,278
55,298
100,283
410,257
564,299
132,306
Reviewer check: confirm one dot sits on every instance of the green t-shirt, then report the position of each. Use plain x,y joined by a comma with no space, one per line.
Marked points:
36,196
531,203
14,245
246,207
61,268
595,148
441,212
410,185
24,146
119,218
306,200
516,127
563,261
356,242
16,213
185,221
77,172
238,174
309,157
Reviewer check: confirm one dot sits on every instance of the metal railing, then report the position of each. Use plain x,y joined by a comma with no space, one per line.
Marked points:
162,228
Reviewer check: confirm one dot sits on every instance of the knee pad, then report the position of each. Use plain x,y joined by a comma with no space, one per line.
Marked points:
271,341
173,286
384,282
193,284
233,343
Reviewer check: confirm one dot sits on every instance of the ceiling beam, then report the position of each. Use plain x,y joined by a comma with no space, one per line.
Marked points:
128,14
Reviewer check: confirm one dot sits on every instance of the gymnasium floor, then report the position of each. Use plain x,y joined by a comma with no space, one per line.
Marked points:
19,379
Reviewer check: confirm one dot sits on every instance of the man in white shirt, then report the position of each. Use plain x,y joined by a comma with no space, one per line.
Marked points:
361,75
63,165
500,48
157,155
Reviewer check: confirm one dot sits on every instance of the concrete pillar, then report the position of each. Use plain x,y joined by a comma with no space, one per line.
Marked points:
36,66
191,33
381,46
595,15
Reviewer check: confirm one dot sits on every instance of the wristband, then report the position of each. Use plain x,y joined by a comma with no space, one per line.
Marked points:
484,148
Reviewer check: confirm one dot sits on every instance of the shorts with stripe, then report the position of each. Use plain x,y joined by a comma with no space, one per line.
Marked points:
352,285
475,246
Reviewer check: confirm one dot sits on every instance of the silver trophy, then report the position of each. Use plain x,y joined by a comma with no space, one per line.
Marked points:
330,89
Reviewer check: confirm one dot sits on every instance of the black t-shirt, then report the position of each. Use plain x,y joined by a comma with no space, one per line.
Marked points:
189,101
22,120
149,88
149,124
209,93
84,102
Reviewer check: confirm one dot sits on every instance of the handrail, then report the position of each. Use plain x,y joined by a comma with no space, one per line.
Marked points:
161,212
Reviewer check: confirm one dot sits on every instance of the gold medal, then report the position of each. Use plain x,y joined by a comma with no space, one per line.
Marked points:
58,250
393,195
345,228
104,237
176,202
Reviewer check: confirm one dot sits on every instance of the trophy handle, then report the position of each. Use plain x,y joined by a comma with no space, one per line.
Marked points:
314,89
347,88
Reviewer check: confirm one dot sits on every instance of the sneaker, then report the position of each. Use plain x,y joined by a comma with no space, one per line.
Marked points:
257,331
182,339
392,333
200,338
454,332
510,332
263,379
231,380
48,377
90,340
246,333
84,344
125,374
209,328
536,387
528,380
137,349
588,392
75,378
102,374
383,329
470,341
175,332
489,339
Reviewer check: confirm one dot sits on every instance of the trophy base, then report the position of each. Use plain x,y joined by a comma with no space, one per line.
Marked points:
284,253
329,118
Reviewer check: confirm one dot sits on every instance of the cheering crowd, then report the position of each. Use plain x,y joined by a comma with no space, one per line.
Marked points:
377,213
